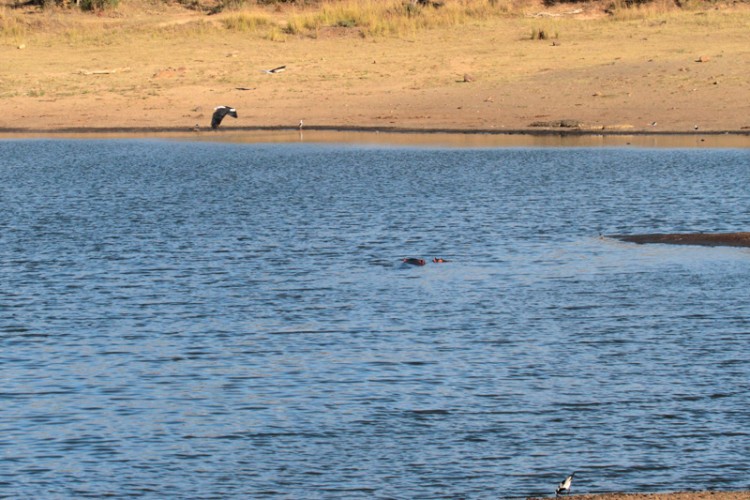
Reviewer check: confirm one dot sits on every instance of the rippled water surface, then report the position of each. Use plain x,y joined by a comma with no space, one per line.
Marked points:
192,320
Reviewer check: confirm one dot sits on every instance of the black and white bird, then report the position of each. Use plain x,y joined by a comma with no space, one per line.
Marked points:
275,70
220,112
564,487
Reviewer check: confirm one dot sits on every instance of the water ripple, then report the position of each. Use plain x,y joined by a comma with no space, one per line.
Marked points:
225,321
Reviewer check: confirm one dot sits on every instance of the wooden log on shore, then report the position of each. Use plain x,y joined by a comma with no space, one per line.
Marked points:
703,239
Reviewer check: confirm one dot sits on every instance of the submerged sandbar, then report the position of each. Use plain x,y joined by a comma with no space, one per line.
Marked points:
739,239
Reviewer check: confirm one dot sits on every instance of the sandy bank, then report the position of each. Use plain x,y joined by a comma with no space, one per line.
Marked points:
683,73
699,495
391,137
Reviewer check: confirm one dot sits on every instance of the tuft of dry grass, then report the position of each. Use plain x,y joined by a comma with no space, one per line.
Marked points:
247,22
622,11
10,26
380,17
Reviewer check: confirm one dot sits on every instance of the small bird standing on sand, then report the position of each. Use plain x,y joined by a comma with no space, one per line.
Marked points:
564,487
301,124
219,113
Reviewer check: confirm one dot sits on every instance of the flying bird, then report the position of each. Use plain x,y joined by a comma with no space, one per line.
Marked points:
220,112
274,71
564,487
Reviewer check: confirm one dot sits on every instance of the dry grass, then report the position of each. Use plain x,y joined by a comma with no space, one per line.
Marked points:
622,12
247,21
401,18
367,18
372,18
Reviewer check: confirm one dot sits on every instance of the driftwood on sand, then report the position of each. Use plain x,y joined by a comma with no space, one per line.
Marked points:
703,239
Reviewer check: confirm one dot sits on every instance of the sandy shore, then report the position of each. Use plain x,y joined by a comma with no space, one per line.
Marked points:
704,495
682,73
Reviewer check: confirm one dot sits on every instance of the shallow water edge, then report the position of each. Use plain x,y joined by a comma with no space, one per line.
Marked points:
408,137
677,495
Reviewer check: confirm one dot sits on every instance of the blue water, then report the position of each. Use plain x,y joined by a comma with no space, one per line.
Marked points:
204,320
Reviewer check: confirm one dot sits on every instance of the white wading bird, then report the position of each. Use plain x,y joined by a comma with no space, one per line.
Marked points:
564,487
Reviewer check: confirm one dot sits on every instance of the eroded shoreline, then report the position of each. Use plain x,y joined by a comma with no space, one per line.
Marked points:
680,495
438,137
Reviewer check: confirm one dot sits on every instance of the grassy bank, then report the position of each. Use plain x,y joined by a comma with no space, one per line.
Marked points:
278,21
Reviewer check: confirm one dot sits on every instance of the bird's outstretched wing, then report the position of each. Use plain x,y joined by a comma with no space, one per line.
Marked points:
275,70
220,112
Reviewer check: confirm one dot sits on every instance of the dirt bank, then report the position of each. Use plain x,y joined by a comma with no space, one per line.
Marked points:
701,495
662,72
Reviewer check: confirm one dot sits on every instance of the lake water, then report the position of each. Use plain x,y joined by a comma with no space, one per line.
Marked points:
213,320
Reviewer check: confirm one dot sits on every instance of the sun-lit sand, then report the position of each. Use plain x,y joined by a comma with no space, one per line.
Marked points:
167,69
703,495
